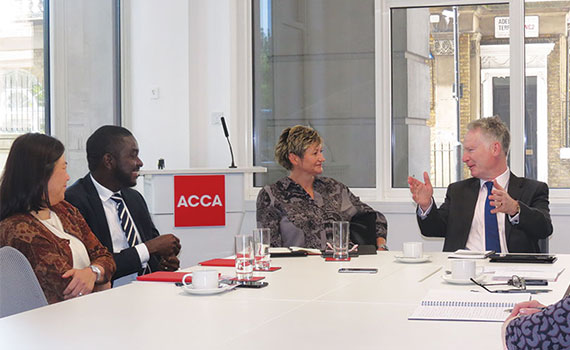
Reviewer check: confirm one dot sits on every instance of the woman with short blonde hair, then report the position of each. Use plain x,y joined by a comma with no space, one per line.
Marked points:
299,208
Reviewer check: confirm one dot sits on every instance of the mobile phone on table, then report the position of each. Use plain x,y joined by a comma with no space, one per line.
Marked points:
536,282
251,284
357,270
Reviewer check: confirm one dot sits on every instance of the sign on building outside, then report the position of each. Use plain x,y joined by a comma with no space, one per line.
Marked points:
530,27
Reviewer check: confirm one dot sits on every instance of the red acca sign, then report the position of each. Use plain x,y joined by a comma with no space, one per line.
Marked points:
199,200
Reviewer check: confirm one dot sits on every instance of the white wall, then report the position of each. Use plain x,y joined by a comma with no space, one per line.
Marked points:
156,55
82,75
183,48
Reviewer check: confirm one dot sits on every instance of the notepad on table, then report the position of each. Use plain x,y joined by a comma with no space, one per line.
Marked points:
470,254
219,262
447,305
290,250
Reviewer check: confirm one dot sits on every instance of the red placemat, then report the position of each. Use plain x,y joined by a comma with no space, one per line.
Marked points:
219,262
165,276
271,269
231,263
333,259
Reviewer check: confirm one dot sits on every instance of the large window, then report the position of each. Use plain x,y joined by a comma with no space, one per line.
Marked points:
457,67
314,64
23,70
441,66
452,70
547,123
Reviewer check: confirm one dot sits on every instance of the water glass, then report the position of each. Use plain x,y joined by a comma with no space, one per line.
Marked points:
244,256
341,234
261,239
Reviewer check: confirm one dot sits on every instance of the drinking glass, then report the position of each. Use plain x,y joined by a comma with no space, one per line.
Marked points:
340,239
244,256
261,239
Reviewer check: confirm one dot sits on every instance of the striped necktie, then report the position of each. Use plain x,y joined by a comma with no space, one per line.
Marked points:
127,223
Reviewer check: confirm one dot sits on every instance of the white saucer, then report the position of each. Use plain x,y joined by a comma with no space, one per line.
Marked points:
222,288
447,278
413,260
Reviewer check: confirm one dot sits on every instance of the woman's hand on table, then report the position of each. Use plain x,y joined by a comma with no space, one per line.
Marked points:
82,282
526,308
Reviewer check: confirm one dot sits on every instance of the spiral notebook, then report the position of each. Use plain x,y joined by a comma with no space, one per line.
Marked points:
448,305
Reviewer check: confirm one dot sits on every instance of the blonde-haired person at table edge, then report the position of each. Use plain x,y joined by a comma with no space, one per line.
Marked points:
65,255
299,208
532,325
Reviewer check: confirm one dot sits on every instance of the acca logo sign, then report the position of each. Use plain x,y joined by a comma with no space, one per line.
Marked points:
199,200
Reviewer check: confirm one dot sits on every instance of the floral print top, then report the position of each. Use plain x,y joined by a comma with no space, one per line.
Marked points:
547,329
296,219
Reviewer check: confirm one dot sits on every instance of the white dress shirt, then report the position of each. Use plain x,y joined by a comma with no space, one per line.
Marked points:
476,238
118,236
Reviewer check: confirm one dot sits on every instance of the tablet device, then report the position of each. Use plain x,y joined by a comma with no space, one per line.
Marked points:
523,258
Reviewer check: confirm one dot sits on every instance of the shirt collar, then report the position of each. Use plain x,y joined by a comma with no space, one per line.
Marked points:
287,182
104,192
502,180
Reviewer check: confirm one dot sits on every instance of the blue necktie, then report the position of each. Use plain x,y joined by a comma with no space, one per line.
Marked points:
492,241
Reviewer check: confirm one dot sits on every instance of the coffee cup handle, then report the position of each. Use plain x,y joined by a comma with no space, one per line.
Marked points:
184,278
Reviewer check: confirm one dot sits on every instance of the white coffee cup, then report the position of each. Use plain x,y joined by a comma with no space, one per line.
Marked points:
413,250
203,279
463,269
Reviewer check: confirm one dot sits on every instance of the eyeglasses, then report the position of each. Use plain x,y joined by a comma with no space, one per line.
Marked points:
518,282
515,281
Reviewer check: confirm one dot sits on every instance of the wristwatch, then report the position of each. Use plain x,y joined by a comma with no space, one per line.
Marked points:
383,246
97,271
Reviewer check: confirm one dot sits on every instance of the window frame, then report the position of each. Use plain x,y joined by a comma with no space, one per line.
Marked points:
383,192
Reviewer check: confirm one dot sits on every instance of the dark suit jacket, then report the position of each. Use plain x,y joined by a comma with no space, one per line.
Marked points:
83,195
453,219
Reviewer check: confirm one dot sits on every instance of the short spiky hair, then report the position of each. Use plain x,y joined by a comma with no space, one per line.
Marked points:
295,140
495,129
106,139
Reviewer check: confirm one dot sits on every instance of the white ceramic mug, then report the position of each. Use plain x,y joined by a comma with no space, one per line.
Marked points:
203,279
413,250
463,269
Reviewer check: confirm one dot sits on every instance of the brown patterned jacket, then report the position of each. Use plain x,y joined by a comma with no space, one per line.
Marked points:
49,255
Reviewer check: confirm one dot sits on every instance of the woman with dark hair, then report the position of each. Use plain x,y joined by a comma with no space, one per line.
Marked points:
299,208
67,258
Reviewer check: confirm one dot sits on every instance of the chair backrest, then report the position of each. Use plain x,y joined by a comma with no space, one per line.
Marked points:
19,288
543,245
363,229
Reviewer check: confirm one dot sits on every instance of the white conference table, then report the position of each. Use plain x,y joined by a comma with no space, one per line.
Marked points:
307,305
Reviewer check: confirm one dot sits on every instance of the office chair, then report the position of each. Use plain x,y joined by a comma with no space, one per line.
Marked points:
363,229
19,288
543,245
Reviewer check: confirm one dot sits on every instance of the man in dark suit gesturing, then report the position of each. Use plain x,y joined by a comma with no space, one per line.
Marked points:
118,214
493,210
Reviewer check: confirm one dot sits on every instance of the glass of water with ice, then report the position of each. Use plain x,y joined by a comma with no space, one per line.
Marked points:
261,237
244,256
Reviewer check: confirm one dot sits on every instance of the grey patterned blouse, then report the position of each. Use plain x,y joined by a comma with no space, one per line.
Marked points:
547,329
296,219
